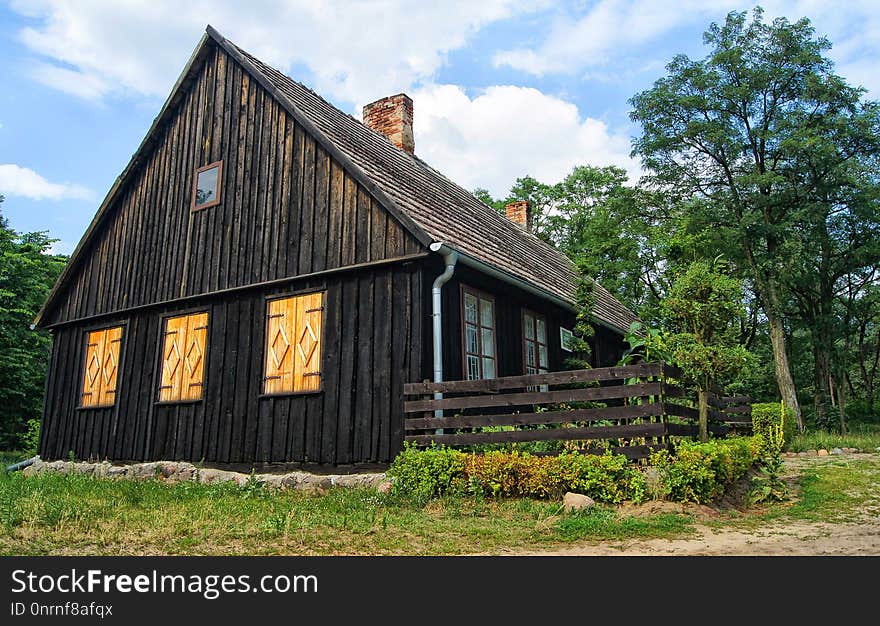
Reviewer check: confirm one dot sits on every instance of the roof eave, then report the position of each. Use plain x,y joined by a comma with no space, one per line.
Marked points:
525,285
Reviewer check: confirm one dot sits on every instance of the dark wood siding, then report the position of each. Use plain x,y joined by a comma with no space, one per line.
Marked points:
287,207
372,345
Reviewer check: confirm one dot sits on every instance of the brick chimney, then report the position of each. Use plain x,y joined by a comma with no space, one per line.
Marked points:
393,117
520,213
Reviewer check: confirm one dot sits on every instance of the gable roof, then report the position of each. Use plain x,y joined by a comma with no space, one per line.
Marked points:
429,205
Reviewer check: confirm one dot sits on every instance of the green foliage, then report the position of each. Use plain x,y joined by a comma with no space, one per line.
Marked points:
766,420
704,307
776,157
645,344
27,273
428,473
700,472
435,472
31,438
769,429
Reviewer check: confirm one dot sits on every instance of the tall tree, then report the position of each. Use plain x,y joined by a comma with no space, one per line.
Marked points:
754,129
27,272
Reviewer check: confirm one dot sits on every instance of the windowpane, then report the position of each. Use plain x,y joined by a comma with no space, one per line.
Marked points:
473,367
530,354
542,353
472,346
470,308
542,331
207,191
488,368
488,341
487,317
530,326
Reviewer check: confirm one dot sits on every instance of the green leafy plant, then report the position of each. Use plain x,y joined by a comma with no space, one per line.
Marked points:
700,472
428,473
769,486
31,437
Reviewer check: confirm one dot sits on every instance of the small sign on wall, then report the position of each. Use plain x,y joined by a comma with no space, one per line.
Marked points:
566,339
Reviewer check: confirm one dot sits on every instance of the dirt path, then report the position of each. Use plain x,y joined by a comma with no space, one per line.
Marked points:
777,538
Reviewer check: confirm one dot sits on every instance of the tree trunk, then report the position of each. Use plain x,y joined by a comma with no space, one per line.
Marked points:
821,376
841,404
783,371
703,399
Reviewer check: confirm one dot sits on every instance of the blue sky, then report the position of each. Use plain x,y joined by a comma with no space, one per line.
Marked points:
502,88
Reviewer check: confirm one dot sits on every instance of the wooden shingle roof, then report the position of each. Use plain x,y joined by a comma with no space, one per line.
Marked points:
442,209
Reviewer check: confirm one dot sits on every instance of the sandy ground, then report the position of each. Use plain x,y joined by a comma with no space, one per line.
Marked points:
778,538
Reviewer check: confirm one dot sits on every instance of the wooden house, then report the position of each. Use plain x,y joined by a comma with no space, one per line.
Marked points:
267,272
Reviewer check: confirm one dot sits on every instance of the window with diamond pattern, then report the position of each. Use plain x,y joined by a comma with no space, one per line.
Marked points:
293,344
102,367
183,358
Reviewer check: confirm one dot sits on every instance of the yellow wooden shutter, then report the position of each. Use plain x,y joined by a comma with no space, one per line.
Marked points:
183,358
293,344
91,392
194,357
102,367
110,365
308,343
279,353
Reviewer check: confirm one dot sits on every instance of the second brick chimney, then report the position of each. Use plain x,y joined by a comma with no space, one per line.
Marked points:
393,117
520,213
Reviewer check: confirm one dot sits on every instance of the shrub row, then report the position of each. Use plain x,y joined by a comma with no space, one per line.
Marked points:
695,473
438,471
700,472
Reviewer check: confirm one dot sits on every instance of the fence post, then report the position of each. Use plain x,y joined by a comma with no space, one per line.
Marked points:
703,403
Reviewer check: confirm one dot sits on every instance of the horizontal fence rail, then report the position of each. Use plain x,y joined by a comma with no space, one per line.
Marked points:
640,407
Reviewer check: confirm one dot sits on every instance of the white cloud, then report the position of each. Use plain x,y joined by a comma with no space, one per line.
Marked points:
608,30
21,181
506,132
356,51
610,33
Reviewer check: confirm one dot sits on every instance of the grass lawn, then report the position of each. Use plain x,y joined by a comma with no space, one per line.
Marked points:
863,436
75,514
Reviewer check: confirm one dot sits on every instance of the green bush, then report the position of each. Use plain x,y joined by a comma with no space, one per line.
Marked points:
437,472
31,439
860,410
428,473
700,472
766,416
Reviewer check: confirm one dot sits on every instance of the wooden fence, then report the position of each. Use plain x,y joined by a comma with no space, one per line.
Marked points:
644,406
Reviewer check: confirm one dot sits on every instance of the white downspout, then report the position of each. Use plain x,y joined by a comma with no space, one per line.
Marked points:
450,258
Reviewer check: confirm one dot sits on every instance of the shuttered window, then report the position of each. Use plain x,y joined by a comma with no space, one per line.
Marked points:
101,370
478,317
293,344
183,358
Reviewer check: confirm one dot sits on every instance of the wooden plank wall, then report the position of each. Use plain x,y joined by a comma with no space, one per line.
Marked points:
287,208
372,346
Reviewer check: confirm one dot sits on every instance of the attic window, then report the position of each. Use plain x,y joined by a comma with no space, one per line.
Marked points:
207,186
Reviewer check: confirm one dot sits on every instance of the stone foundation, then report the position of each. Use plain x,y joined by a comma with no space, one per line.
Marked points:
181,471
